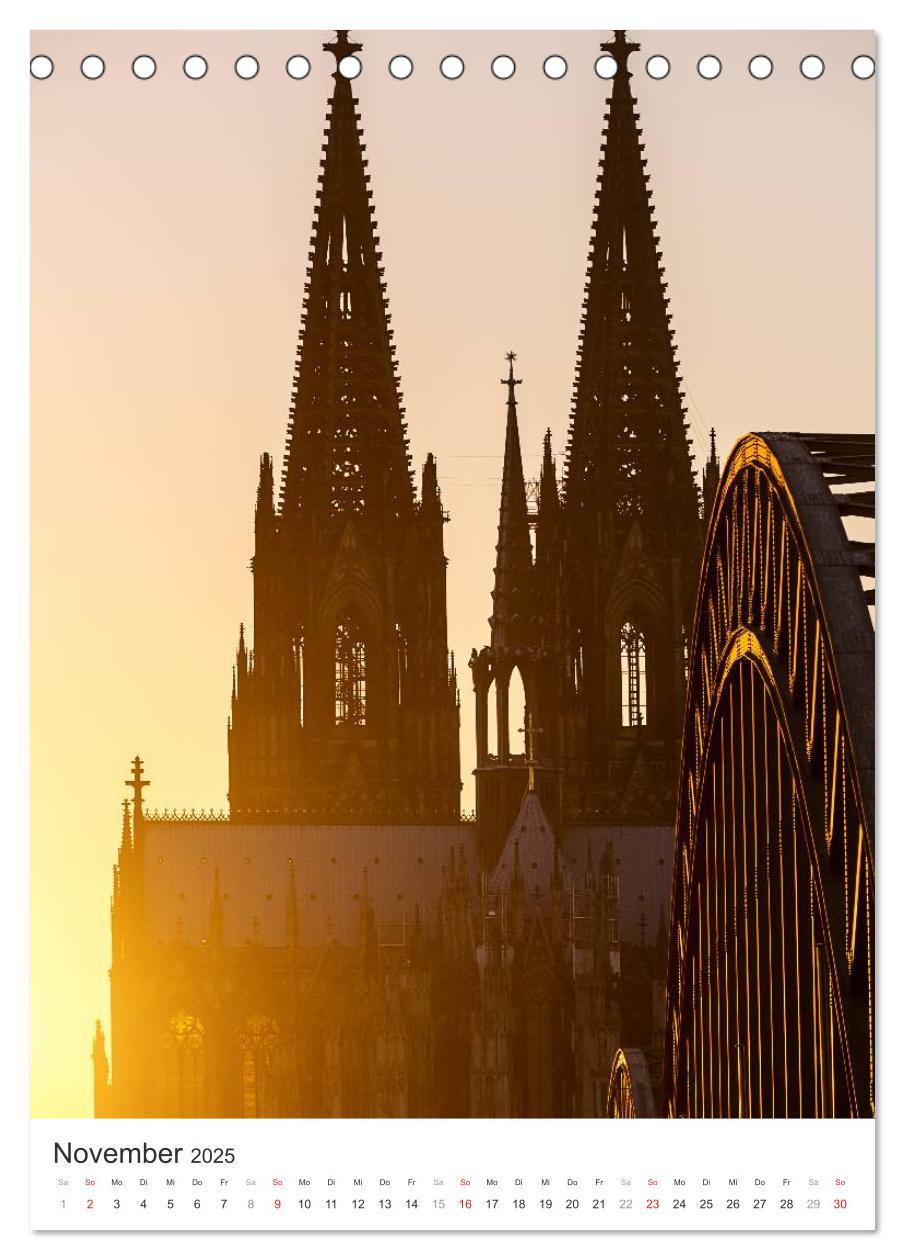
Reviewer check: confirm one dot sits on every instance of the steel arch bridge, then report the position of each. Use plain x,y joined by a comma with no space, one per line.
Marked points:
630,1093
770,987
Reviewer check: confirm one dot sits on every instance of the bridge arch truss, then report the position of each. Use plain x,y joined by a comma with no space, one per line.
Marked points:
770,990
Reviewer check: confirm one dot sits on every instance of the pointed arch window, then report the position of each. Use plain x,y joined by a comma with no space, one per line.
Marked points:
633,657
350,673
180,1067
258,1040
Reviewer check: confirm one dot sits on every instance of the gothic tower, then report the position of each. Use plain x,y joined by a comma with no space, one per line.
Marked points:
627,532
513,662
347,708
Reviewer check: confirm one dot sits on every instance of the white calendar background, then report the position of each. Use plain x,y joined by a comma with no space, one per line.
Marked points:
452,1174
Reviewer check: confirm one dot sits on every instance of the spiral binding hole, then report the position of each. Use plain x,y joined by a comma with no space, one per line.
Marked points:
605,66
400,66
502,67
144,67
864,67
40,67
247,67
298,67
658,66
194,67
452,66
92,67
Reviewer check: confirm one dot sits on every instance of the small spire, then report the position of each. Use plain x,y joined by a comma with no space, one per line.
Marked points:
430,491
710,478
99,1058
529,730
513,572
264,505
548,498
240,670
127,827
136,783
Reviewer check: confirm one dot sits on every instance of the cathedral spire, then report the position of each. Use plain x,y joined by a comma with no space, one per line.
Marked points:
431,505
346,449
710,479
101,1069
137,783
628,447
548,496
264,504
512,585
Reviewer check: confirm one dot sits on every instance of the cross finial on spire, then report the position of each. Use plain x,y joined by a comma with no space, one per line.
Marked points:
341,47
620,49
510,380
136,783
529,730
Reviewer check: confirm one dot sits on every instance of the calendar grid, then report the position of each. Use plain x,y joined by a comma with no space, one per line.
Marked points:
451,1175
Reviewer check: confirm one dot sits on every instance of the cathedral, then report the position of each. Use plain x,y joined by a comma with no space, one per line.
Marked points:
344,942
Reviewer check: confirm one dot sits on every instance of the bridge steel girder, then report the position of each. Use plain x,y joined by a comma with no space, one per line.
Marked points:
770,989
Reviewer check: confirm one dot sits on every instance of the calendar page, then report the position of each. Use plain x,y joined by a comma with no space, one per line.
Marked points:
452,630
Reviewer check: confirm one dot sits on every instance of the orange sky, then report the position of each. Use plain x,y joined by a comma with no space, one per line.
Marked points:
170,224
